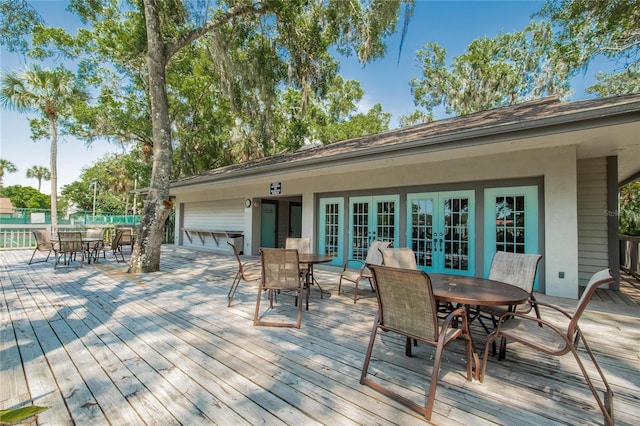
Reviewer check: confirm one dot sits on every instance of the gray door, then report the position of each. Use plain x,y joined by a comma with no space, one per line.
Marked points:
268,224
295,220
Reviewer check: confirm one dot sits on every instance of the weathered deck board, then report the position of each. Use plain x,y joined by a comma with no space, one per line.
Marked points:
100,346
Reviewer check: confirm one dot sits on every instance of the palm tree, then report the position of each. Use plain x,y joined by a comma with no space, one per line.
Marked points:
50,93
6,166
40,173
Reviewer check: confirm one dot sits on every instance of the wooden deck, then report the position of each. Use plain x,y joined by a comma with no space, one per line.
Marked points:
99,346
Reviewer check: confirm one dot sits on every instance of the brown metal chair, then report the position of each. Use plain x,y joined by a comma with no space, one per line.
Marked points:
516,269
93,248
374,257
69,243
557,338
402,257
406,306
247,271
115,247
43,244
303,245
280,271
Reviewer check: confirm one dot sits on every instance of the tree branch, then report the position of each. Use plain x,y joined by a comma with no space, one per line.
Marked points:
196,33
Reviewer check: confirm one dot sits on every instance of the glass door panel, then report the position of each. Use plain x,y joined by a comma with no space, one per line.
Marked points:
511,222
370,219
331,230
421,221
456,234
440,231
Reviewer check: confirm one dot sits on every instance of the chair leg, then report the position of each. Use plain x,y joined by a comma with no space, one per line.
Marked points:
607,406
255,316
232,290
39,261
367,358
407,348
434,381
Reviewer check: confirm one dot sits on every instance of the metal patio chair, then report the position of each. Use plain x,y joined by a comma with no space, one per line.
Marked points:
280,271
43,244
516,269
402,257
69,243
248,271
557,338
406,306
374,257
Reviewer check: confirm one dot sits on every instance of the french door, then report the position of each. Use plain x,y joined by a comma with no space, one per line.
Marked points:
370,219
511,222
440,230
331,228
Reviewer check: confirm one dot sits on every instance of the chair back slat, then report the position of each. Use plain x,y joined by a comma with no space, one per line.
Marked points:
405,301
43,239
374,257
70,242
402,257
598,279
303,245
515,268
117,239
280,269
94,233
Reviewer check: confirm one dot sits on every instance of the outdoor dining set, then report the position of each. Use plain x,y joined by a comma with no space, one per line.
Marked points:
72,248
434,309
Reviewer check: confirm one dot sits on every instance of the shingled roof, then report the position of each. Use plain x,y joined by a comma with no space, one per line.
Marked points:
517,118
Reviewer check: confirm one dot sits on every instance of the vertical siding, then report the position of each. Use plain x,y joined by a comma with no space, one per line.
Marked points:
593,248
219,215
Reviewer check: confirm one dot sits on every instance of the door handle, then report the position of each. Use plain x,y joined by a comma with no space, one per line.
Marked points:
441,240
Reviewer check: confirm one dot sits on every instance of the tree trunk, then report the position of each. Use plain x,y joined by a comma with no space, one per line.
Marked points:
146,251
53,131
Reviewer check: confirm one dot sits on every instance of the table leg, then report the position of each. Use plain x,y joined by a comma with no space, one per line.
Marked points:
313,280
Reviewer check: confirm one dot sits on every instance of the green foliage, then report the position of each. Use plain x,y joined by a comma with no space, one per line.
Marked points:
226,91
17,21
492,73
630,209
588,29
40,173
6,166
20,415
26,197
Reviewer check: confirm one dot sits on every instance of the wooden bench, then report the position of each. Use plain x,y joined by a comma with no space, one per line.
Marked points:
214,233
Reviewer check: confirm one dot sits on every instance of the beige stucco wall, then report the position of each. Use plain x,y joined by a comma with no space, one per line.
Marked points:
556,165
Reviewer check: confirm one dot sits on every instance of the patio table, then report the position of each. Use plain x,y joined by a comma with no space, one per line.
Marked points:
475,291
310,259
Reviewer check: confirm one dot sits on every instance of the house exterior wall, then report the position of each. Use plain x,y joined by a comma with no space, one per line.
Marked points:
593,245
215,215
556,168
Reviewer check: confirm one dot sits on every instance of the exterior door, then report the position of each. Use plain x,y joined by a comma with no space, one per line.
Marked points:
295,220
511,222
331,229
268,224
370,219
440,230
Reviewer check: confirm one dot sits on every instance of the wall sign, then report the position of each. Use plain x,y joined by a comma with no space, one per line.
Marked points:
275,188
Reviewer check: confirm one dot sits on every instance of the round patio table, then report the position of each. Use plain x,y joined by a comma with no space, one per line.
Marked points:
475,291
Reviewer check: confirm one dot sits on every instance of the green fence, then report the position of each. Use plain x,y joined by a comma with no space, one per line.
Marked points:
43,217
19,235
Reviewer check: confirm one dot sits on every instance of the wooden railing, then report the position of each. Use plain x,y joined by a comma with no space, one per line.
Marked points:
630,254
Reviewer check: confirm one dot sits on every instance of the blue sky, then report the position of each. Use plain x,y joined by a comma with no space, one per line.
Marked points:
452,24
